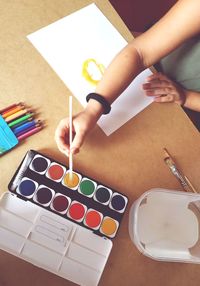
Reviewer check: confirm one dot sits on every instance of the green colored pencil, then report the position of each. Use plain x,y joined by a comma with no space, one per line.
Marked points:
19,120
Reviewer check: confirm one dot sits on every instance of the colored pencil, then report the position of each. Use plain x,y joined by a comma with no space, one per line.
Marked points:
16,115
70,138
21,123
24,127
29,133
27,130
9,107
20,120
12,111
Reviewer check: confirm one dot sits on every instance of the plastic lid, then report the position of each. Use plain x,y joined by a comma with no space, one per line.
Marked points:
164,225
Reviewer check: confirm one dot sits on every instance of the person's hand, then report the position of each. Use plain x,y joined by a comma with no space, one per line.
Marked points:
164,89
82,123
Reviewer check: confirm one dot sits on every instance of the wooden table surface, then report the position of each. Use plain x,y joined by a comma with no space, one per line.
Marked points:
130,160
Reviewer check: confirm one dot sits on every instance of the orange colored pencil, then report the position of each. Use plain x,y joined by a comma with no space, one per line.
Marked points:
12,111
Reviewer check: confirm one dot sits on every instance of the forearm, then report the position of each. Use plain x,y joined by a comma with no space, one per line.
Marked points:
192,100
120,73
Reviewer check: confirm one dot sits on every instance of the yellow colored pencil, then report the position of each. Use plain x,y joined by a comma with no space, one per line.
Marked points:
16,115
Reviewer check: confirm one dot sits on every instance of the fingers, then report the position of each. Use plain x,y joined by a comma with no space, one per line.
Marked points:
77,141
156,83
166,98
157,80
157,76
158,91
62,136
161,87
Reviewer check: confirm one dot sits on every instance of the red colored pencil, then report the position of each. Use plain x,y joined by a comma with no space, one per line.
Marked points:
10,107
29,133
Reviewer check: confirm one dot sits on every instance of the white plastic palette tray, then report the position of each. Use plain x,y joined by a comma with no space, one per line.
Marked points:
51,242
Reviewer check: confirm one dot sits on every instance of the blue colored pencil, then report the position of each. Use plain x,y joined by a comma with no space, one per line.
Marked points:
27,130
24,126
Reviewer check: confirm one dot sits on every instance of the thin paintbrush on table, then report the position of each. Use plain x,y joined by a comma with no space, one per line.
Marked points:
186,184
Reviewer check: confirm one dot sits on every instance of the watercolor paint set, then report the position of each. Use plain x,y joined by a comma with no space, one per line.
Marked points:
16,124
64,225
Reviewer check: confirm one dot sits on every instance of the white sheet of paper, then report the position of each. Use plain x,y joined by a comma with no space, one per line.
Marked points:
85,34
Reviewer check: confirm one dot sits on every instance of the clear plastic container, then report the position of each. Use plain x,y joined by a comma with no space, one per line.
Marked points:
164,225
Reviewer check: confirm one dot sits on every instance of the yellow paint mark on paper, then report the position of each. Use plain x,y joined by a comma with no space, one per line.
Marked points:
92,71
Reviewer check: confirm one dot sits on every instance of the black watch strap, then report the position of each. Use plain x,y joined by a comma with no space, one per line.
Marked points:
100,99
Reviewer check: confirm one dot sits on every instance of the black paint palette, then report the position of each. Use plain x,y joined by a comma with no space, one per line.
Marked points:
80,199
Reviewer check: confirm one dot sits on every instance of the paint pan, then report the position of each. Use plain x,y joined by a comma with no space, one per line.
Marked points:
71,183
55,172
109,226
93,219
102,195
87,187
77,211
118,202
60,203
27,187
44,195
39,164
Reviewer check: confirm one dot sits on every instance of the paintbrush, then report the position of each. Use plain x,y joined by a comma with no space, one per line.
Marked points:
186,184
21,170
70,139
